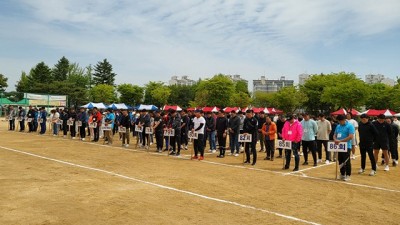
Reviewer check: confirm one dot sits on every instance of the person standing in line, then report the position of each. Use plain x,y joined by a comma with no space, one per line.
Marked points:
175,122
185,121
158,129
250,128
72,117
279,126
368,134
353,122
144,122
261,121
269,132
241,117
109,120
30,115
43,117
125,122
13,114
222,130
83,118
324,129
334,124
292,131
233,129
382,141
310,129
344,133
199,124
210,131
54,119
21,117
97,118
36,115
393,141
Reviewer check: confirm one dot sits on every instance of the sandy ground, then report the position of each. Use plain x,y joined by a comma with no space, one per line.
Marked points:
52,180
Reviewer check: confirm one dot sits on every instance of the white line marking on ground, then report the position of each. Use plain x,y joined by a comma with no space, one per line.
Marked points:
240,167
164,187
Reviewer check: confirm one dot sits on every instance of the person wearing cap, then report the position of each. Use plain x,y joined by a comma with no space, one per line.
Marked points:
368,134
324,129
199,124
222,131
144,121
250,128
382,140
292,131
269,131
210,131
158,129
353,122
233,129
393,141
261,121
310,129
279,126
175,124
344,133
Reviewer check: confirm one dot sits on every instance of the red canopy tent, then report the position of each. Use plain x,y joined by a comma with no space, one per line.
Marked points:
191,109
174,107
210,109
342,111
375,112
230,109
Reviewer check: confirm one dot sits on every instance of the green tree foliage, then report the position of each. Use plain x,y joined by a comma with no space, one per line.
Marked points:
3,83
182,94
313,89
23,84
264,99
103,73
216,91
379,96
130,94
103,93
61,69
40,74
156,93
289,99
149,87
241,86
240,99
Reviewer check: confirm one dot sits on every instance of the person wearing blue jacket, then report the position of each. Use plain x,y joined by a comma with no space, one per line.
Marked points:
43,117
84,118
310,129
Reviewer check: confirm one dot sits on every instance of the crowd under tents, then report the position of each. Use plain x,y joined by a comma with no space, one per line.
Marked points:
343,111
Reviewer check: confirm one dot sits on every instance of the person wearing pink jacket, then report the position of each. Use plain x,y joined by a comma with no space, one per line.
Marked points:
292,131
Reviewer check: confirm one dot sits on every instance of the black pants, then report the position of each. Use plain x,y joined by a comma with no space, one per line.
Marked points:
12,124
30,126
345,162
96,133
22,125
247,149
363,151
324,143
145,137
288,155
221,143
35,125
270,147
309,145
159,139
184,137
72,130
280,149
394,152
199,145
176,140
82,130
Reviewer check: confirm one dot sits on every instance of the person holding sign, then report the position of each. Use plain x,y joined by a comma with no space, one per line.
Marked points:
83,118
234,130
324,128
175,124
344,133
382,141
368,134
292,131
310,129
198,126
109,121
269,131
221,126
250,128
12,115
125,121
96,118
43,117
31,116
144,121
158,129
55,116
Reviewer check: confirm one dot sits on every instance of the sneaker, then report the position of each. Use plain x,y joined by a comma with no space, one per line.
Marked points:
160,151
230,154
361,171
241,148
386,168
201,157
326,161
347,178
177,154
253,164
353,157
319,161
305,163
295,169
272,158
172,153
213,151
373,173
126,146
395,162
195,157
186,148
221,156
301,153
83,139
342,177
210,150
246,162
73,138
315,164
279,157
236,155
285,167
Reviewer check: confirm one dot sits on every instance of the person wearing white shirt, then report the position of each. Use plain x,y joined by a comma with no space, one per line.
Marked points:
354,142
324,129
198,127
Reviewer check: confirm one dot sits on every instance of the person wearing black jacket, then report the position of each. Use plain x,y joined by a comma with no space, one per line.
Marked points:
279,126
64,117
175,124
185,122
234,129
393,144
221,127
72,117
31,115
144,121
250,128
334,124
210,131
125,121
261,120
382,141
368,134
158,129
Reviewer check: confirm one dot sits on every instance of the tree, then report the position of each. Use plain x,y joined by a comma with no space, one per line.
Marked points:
161,95
240,99
289,99
379,96
313,89
264,99
23,84
182,94
3,83
130,94
103,73
61,69
216,91
241,86
149,87
103,93
41,73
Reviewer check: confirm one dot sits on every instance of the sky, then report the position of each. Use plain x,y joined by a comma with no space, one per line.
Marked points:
152,40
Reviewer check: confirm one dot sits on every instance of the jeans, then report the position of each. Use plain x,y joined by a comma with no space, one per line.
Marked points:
12,124
211,139
288,153
55,128
234,143
126,136
363,151
43,128
159,139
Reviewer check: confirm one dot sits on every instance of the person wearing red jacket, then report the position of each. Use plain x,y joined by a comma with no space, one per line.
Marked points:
292,131
96,119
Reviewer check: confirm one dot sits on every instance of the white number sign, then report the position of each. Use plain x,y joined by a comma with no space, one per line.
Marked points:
244,137
138,129
284,144
169,133
193,135
93,125
149,130
29,120
59,122
40,120
70,123
78,123
106,127
341,147
122,129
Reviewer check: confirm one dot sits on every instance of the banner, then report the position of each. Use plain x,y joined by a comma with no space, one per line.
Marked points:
44,100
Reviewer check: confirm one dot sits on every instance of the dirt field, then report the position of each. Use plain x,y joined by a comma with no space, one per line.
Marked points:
51,180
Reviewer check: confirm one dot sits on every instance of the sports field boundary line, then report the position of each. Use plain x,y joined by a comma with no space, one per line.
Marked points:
163,186
299,174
